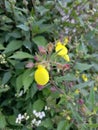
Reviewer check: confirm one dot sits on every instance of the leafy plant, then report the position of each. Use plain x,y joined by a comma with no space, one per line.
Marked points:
61,37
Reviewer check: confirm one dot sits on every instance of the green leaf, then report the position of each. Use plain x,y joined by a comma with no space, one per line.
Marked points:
61,125
6,77
13,45
83,85
42,10
19,83
27,79
2,121
2,47
92,125
38,105
47,123
21,55
92,97
40,40
68,77
23,27
4,89
82,66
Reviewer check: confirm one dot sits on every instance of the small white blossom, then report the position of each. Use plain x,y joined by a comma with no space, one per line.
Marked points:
46,108
34,112
38,122
33,121
27,117
43,113
17,120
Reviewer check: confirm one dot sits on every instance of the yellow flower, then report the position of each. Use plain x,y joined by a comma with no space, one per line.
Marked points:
66,40
84,77
68,118
61,49
41,75
66,57
95,88
77,91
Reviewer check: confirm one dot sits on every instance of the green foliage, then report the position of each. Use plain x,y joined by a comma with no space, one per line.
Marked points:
29,31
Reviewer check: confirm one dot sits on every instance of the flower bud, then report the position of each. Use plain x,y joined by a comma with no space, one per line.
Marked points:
50,47
42,50
29,65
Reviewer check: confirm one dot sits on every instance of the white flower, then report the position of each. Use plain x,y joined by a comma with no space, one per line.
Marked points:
43,113
34,121
38,122
19,117
22,117
17,120
34,112
27,117
46,108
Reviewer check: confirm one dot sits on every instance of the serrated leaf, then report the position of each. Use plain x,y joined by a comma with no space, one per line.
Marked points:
47,123
61,125
83,85
68,77
38,105
13,45
23,27
21,55
82,66
27,79
40,41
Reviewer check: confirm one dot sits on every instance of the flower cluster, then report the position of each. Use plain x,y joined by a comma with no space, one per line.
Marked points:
35,122
2,59
21,118
38,117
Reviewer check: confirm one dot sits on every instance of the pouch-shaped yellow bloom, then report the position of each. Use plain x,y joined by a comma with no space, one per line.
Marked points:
61,49
84,77
66,40
41,75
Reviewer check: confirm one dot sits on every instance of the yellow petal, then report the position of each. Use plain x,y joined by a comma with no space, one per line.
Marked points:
84,77
66,40
77,91
95,88
66,57
41,75
61,49
68,118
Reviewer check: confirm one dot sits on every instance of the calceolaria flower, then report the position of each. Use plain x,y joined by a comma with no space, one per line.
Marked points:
66,40
95,88
62,51
84,77
68,118
41,75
